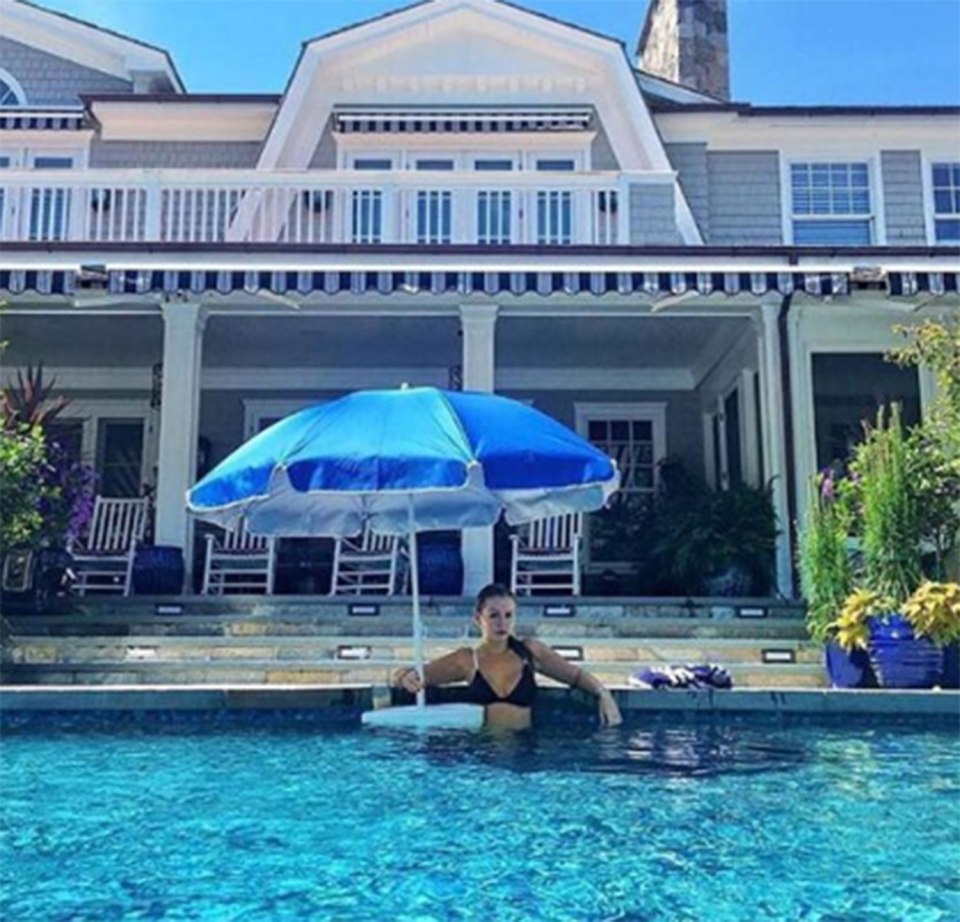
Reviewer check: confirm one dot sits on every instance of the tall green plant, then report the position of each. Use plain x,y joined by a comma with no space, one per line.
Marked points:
826,573
23,461
935,444
889,516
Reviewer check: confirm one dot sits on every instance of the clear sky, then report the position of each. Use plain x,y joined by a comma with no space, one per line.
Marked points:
783,52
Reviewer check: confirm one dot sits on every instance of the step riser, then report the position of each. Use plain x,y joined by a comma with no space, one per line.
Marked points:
743,675
170,650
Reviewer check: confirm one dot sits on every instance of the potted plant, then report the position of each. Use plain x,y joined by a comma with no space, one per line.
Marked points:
890,534
826,580
714,542
934,611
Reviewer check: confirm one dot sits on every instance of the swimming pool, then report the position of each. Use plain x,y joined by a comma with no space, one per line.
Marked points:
285,820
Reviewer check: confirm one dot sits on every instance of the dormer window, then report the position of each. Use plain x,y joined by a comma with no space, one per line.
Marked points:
10,92
831,204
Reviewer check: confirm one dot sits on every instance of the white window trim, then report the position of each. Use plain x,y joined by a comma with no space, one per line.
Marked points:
14,85
875,218
841,154
91,411
655,413
927,160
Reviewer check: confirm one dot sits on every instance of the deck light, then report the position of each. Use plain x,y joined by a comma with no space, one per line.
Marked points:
779,656
354,653
363,610
559,611
570,653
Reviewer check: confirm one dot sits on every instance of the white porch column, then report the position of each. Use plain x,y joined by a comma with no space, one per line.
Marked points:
179,413
478,325
774,443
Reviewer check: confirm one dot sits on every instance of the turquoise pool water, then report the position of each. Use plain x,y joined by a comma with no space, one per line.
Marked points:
654,821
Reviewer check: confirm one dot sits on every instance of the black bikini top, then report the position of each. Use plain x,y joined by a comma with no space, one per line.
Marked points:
523,693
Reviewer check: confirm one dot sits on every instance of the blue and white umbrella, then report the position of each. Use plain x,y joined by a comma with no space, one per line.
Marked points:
401,462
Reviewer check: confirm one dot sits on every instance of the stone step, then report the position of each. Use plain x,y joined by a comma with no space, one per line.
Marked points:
338,672
603,625
107,608
189,649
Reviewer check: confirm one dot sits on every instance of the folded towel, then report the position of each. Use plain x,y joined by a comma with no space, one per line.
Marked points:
704,675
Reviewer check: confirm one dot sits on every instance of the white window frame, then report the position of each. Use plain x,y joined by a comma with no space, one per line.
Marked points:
930,201
15,86
92,411
654,413
873,218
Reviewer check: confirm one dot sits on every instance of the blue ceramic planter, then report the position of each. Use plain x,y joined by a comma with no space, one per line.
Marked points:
848,668
950,678
901,659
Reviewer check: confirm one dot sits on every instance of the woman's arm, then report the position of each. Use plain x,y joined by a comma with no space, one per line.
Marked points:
454,667
552,664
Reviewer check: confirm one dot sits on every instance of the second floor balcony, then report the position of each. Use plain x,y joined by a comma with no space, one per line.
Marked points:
317,207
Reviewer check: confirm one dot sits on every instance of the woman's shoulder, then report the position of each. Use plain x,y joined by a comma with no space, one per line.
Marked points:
533,646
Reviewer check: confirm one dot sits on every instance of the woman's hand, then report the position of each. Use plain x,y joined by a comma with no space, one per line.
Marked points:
609,712
408,679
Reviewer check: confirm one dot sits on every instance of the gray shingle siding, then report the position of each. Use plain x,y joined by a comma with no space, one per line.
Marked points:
51,81
690,162
652,215
902,172
175,154
744,196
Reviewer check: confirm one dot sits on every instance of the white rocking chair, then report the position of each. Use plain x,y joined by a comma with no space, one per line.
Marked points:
366,565
239,562
546,556
104,561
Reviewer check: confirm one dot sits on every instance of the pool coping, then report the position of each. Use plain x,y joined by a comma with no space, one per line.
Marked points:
230,697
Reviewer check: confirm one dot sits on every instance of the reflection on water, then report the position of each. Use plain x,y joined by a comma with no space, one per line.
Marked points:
688,751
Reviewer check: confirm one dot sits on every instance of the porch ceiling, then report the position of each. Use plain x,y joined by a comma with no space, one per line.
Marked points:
83,340
303,341
621,342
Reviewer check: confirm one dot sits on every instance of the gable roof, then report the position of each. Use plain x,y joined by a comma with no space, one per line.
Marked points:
141,55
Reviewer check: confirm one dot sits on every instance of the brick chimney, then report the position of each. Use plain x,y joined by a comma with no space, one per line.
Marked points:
686,41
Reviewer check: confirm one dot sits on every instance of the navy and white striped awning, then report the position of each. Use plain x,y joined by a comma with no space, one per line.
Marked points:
303,284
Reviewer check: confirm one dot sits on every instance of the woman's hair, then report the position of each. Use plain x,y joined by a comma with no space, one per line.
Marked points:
492,591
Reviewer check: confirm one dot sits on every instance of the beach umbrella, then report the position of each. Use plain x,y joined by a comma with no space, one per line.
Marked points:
401,462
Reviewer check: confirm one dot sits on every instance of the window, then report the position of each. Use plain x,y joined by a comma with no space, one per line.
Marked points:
50,206
731,435
831,203
554,217
11,94
434,216
634,435
442,165
492,165
367,216
372,163
120,457
555,166
946,202
848,389
493,217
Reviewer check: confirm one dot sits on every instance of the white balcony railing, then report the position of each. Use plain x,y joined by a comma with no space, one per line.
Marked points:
231,206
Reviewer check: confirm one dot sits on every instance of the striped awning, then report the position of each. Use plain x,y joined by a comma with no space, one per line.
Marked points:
460,283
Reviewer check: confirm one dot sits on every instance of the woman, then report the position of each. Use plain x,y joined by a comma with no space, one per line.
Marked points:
500,670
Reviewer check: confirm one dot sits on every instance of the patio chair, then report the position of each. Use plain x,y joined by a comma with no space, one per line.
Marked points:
367,565
103,562
238,562
546,556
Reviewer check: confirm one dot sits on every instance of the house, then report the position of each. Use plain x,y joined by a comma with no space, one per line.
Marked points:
468,194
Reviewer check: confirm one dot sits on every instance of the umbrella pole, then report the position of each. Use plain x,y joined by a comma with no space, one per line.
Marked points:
417,623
